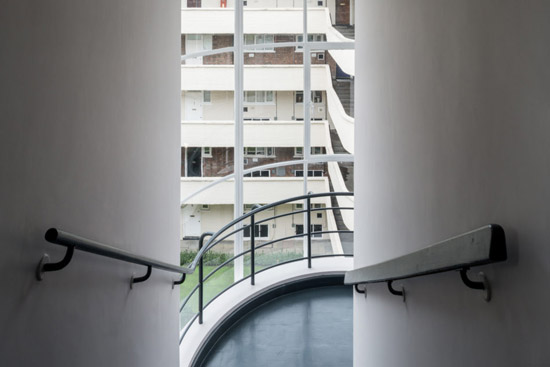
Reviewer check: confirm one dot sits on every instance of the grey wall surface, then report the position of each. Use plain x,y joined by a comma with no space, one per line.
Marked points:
89,142
453,132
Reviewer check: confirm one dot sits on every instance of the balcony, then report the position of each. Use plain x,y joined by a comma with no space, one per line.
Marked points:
256,133
256,190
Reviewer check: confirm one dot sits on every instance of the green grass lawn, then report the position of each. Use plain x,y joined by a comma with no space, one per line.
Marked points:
223,278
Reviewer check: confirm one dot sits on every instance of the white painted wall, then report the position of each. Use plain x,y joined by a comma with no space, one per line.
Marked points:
89,142
256,134
218,216
454,134
256,190
256,77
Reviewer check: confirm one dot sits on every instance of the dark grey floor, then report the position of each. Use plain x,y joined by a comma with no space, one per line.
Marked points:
307,328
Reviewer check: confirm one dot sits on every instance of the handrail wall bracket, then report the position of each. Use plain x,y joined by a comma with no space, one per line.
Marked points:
134,280
396,292
481,285
44,265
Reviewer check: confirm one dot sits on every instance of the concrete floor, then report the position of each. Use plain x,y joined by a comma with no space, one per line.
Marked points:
307,328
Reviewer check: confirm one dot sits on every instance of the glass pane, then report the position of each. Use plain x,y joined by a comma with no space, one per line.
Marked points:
191,306
260,96
221,279
281,227
250,96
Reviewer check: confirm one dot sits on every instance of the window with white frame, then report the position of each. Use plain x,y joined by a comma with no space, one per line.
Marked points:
261,231
298,151
207,152
259,151
259,97
314,228
310,38
317,150
310,173
316,96
261,173
259,39
206,97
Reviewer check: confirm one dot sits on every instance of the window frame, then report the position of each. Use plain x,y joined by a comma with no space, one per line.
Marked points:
257,233
259,155
257,93
256,41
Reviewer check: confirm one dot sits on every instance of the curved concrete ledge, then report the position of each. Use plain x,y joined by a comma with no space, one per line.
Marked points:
231,304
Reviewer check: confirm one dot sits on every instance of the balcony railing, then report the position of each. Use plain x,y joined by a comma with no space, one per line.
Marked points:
250,222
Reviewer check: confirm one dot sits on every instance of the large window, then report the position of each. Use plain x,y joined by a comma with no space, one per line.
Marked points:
316,96
310,38
314,228
259,152
231,154
258,97
261,231
259,39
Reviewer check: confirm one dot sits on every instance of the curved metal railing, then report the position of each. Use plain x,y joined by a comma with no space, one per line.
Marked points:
218,237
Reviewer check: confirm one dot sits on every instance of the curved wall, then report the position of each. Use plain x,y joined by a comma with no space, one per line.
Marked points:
89,142
454,134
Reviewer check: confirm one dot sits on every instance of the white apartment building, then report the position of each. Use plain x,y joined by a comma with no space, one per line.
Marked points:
273,115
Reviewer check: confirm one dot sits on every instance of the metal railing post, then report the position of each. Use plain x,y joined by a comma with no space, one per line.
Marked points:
252,248
201,282
309,232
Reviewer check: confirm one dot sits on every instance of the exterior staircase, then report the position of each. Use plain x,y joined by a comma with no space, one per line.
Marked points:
345,91
346,168
347,31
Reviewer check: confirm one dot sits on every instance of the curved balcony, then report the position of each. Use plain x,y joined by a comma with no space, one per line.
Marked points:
224,290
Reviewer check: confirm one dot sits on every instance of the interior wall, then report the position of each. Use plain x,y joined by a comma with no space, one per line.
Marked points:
89,143
455,134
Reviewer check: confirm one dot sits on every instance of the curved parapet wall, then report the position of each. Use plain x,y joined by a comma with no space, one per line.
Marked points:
243,297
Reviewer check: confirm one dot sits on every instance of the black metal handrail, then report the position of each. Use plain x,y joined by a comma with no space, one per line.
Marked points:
217,237
73,242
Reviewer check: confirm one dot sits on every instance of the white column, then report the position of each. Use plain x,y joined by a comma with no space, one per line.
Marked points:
307,114
239,136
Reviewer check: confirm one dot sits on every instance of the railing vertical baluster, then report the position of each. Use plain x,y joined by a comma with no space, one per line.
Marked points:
201,282
252,248
309,232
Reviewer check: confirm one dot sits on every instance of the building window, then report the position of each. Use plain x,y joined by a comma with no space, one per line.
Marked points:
259,39
207,152
205,207
206,96
262,173
310,173
316,96
258,97
317,150
298,206
261,231
259,151
310,38
298,151
320,56
313,227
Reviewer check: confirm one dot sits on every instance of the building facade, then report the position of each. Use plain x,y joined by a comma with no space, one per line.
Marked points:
273,115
